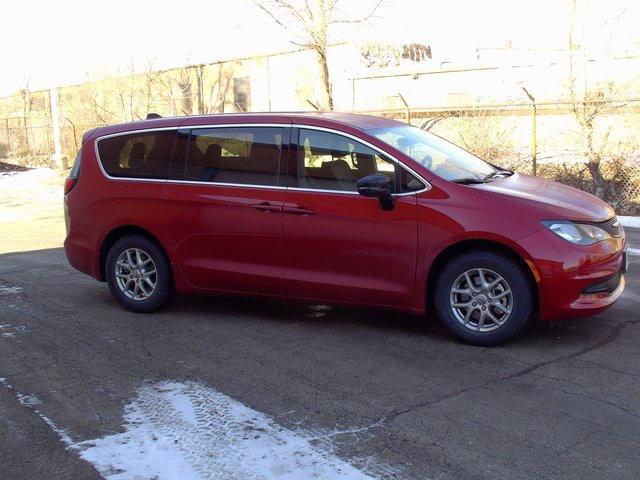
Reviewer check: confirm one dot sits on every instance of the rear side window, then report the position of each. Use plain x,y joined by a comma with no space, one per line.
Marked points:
139,155
235,155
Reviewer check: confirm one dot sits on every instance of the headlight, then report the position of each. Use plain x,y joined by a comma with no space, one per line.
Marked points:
579,233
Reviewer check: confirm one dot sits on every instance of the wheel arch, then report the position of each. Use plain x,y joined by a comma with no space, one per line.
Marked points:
468,245
123,230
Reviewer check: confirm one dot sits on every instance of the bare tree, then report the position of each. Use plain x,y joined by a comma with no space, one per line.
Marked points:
150,83
589,101
309,21
220,88
176,90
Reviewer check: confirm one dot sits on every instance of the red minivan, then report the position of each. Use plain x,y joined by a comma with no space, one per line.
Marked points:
335,208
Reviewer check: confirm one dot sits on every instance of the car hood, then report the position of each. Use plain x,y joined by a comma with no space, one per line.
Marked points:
556,200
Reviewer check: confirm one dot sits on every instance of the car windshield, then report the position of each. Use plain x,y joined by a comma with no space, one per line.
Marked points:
436,154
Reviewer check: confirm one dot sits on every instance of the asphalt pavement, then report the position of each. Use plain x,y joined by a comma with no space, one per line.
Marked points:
402,398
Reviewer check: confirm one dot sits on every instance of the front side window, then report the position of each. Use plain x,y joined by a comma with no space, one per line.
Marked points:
434,153
138,155
328,161
236,155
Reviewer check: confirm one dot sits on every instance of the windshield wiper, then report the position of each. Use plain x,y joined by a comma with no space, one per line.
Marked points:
506,173
476,180
490,175
468,180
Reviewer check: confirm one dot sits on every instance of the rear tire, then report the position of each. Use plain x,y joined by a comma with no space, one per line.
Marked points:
483,298
138,274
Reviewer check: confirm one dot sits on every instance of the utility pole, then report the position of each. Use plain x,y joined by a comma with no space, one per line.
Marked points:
58,160
534,135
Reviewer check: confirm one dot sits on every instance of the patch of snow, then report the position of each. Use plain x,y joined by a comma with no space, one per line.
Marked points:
27,177
62,434
12,216
30,401
6,289
16,329
629,222
189,431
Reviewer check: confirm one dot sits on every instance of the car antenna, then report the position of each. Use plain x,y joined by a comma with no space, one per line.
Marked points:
151,116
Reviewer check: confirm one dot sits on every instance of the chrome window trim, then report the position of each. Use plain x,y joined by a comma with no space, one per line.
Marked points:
247,185
176,128
120,134
220,184
234,125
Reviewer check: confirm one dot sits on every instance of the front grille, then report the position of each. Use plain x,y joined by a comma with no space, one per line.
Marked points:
609,285
611,226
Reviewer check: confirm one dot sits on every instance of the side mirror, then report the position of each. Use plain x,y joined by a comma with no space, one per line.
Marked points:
379,186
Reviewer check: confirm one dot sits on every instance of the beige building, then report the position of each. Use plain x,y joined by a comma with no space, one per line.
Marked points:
363,77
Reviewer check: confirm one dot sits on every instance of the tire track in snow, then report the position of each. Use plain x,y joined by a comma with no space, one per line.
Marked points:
189,431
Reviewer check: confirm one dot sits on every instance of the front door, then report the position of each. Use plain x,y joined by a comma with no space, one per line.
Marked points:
224,219
339,245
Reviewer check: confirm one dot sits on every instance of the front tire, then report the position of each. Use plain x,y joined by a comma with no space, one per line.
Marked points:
483,298
138,274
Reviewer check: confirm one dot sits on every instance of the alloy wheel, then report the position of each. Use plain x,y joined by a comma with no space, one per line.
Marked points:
136,274
481,300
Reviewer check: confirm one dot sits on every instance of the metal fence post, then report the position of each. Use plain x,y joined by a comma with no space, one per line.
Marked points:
6,127
75,140
534,139
534,135
407,109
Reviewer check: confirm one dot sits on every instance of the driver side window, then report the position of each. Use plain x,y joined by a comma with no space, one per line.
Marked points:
328,161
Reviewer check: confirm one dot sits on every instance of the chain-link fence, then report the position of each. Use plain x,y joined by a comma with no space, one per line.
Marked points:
601,158
501,134
28,142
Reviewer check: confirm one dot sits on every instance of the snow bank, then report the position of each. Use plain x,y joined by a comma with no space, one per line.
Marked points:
629,222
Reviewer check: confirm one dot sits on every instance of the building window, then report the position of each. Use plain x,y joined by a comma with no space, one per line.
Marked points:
242,94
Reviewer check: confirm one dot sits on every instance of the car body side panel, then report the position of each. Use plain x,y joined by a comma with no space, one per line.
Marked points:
458,214
350,250
97,205
221,241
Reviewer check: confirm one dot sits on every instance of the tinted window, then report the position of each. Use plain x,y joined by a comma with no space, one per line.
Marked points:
140,155
245,156
178,162
327,161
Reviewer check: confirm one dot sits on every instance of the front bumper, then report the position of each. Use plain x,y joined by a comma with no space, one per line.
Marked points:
566,274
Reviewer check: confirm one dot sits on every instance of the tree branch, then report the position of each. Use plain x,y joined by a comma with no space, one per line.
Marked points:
284,5
361,19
